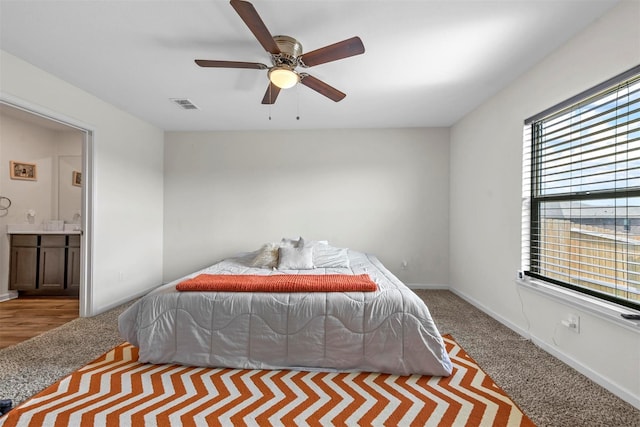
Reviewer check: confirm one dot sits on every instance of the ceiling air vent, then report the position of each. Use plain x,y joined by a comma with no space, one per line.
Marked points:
184,103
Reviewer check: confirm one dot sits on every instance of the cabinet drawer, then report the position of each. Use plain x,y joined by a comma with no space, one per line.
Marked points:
74,240
27,240
56,241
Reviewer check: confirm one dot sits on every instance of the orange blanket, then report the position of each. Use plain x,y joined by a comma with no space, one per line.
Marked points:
279,283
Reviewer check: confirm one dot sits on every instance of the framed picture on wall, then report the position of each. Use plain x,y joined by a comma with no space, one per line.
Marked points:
23,170
77,179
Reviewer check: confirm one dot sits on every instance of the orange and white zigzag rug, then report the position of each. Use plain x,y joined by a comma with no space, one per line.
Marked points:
117,390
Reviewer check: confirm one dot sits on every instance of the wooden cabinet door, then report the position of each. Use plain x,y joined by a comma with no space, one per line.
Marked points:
45,264
73,268
24,265
51,269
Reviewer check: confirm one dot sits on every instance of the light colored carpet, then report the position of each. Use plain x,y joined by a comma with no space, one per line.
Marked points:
548,391
32,365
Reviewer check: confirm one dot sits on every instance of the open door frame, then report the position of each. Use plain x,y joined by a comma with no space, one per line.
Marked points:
86,241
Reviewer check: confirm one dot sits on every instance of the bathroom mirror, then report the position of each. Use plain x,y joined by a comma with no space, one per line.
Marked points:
69,188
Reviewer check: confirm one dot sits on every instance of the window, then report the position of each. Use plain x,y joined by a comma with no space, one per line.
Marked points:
582,192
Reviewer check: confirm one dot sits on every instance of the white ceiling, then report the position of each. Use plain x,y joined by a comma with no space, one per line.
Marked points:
427,62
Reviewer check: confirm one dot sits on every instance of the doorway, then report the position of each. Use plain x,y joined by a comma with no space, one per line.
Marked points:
83,215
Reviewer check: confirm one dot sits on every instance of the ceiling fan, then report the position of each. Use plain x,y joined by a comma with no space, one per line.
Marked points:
286,56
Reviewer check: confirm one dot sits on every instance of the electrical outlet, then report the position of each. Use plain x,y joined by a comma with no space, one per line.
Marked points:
572,322
405,264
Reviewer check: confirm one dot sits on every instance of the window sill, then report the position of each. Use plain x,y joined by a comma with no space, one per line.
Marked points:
602,309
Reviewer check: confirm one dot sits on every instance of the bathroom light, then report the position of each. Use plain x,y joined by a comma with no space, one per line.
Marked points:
283,77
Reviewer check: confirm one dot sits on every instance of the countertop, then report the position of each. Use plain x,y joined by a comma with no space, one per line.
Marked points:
39,229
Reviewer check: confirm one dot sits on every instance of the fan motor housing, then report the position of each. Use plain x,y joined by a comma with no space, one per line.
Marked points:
290,50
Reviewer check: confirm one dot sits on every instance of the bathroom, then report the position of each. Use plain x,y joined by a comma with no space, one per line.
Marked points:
40,194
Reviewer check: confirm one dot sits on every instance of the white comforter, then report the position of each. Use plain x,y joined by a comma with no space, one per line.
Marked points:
390,330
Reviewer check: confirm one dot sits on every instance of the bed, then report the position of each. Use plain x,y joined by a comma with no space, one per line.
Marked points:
387,330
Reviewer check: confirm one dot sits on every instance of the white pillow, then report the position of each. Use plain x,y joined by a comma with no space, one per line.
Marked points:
325,256
315,243
267,256
292,243
295,258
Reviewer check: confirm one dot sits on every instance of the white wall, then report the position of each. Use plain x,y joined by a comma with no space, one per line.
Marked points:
378,191
32,144
69,195
486,155
127,191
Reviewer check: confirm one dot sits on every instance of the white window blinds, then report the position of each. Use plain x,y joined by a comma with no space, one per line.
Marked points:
582,192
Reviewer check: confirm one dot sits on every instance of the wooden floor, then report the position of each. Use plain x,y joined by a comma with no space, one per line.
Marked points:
26,317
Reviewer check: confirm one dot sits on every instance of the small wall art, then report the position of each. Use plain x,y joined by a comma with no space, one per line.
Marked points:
77,179
23,170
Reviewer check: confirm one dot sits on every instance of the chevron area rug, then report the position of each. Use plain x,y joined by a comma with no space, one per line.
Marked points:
117,390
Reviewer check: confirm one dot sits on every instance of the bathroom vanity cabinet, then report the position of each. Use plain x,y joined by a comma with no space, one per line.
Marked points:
45,264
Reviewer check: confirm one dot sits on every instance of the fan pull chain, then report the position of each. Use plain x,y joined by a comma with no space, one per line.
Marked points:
298,103
270,101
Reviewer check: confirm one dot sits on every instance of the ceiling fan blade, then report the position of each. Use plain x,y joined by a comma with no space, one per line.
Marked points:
322,88
271,94
230,64
333,52
251,18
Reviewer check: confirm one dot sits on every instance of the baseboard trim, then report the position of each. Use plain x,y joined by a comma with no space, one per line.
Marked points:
565,358
9,296
491,313
588,372
121,301
433,286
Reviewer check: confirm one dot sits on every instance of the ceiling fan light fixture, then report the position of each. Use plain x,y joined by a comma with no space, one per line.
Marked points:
283,77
